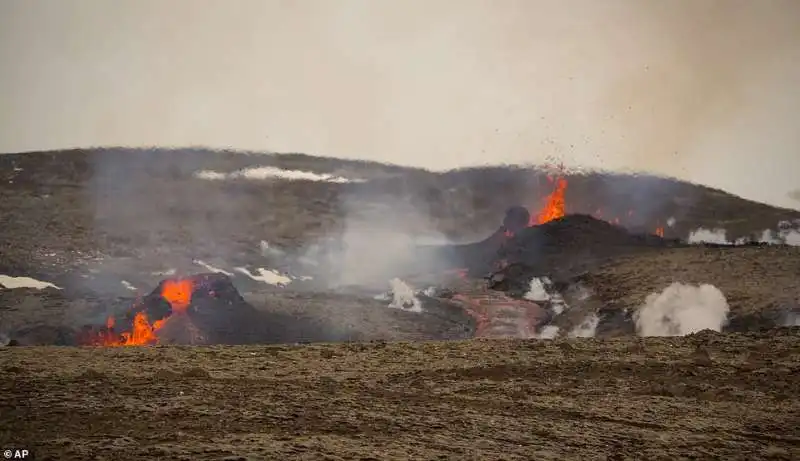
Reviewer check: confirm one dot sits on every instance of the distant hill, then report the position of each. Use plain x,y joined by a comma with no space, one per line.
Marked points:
59,208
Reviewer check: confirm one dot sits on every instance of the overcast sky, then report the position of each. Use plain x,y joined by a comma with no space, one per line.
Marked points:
704,90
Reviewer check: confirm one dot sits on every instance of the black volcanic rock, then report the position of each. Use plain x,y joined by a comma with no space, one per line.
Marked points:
564,244
577,234
217,314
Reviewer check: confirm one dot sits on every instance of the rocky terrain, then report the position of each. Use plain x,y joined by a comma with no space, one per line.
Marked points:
704,396
97,246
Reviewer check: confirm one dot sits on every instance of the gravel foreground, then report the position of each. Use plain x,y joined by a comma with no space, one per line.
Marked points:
703,396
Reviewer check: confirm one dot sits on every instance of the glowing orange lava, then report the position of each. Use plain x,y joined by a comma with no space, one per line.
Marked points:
177,292
554,206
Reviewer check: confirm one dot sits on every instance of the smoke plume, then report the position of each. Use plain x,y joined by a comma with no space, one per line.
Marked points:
682,309
403,296
379,241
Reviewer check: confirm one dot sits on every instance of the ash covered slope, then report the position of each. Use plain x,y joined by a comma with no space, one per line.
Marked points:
139,210
758,282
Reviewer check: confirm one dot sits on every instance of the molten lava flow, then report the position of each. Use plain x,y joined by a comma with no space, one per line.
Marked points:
178,293
554,208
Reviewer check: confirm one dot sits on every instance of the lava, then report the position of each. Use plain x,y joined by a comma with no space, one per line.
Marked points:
554,206
178,293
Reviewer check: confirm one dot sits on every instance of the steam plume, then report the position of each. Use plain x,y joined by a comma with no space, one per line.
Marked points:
682,309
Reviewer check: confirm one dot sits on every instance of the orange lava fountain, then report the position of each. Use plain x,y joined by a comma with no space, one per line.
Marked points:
179,295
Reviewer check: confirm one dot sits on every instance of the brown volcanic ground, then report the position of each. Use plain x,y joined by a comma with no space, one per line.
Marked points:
87,219
705,396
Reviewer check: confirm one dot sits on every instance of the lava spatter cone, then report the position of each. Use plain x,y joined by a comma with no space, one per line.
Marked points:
200,309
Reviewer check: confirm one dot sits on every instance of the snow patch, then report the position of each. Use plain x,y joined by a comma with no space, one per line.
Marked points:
269,172
24,282
128,285
211,268
269,277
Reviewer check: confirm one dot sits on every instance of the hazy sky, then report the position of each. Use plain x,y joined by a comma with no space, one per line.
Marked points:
704,90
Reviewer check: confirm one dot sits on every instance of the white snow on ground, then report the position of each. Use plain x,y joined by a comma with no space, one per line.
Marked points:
266,276
682,309
24,282
128,285
168,272
211,268
702,235
403,296
267,172
587,328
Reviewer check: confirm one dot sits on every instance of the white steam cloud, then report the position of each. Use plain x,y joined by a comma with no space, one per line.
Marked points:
547,332
536,291
792,320
403,296
702,235
379,241
682,309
